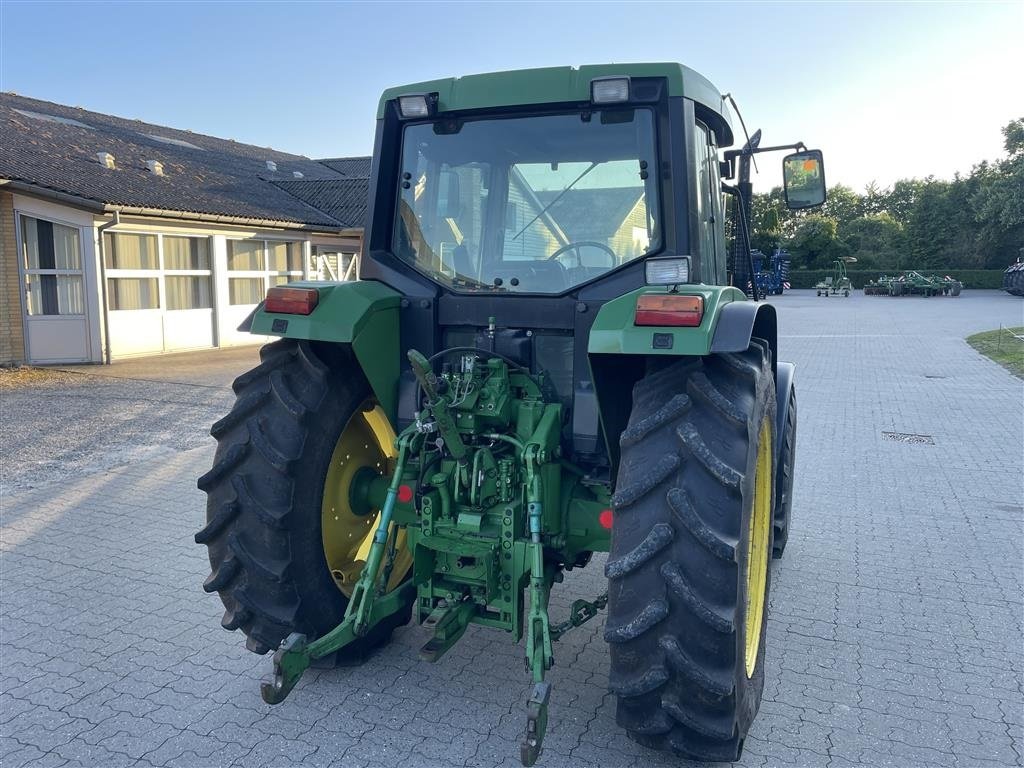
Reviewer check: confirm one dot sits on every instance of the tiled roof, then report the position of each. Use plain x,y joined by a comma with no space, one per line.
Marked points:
54,146
349,167
344,200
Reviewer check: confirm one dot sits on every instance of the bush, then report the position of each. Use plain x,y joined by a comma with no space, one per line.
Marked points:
971,278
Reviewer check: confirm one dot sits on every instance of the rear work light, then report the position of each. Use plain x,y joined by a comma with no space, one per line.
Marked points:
669,309
415,105
671,270
609,90
291,301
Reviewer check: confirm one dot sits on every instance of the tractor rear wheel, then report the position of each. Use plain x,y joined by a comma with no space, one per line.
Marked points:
285,543
784,481
691,543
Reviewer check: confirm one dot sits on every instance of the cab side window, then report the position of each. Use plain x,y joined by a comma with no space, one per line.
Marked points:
707,203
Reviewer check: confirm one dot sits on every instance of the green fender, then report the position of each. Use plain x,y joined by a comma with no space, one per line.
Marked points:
613,331
362,314
618,349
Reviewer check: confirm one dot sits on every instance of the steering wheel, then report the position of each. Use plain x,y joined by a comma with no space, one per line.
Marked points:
583,244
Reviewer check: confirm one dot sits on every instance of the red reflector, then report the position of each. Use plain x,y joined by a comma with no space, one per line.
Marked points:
404,494
605,519
291,301
669,309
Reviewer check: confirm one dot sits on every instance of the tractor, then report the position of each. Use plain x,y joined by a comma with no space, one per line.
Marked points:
545,356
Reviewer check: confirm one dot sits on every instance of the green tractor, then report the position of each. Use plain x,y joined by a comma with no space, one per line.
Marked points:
545,357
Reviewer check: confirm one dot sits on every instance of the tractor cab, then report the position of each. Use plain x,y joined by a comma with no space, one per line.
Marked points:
510,208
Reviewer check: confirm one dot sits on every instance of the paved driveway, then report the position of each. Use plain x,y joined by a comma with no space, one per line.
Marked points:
894,635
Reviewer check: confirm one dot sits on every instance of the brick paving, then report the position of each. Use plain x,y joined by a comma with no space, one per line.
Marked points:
894,637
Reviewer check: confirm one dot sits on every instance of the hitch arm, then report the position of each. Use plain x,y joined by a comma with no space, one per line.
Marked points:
365,609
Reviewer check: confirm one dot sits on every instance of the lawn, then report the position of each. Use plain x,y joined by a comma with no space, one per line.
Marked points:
1005,346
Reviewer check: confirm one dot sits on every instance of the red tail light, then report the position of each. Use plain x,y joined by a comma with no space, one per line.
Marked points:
291,301
669,309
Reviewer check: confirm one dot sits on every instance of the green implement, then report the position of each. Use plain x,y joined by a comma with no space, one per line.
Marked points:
913,283
838,282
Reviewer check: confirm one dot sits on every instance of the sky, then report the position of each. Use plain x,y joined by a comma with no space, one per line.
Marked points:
886,90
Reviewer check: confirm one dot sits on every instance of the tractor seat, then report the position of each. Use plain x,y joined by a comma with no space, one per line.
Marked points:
533,276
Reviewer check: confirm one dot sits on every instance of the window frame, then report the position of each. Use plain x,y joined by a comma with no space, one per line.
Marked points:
170,272
27,273
160,272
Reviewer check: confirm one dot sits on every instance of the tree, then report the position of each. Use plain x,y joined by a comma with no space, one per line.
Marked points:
899,201
998,202
842,205
877,241
814,241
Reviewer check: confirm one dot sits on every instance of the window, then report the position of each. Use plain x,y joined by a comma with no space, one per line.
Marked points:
131,259
52,260
704,156
127,251
186,252
535,204
188,280
285,257
256,265
146,271
246,290
133,293
245,255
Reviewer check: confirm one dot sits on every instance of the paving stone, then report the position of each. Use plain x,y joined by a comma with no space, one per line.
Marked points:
895,616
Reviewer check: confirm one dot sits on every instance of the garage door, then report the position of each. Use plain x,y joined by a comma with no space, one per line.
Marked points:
159,293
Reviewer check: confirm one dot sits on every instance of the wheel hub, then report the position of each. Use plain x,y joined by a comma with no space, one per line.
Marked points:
364,451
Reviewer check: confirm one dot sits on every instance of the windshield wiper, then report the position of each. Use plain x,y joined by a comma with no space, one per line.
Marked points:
557,198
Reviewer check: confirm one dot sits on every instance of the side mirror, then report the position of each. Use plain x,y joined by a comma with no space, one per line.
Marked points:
803,179
449,203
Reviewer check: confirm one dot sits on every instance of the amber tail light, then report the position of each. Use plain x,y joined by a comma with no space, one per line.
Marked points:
669,309
291,301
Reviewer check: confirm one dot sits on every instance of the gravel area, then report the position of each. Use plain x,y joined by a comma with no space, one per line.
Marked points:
59,423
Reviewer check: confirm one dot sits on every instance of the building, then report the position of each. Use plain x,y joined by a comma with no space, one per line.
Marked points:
120,238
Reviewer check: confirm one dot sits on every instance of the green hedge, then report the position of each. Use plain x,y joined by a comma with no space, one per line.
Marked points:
971,278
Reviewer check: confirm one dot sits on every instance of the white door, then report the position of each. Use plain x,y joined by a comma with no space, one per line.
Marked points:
54,275
188,321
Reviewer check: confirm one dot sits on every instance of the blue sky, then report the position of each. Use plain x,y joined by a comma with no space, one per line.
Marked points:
886,90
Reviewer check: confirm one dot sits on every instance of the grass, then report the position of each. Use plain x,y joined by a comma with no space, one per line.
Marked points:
1005,346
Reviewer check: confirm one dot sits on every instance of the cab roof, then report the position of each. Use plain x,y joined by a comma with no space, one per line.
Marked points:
552,85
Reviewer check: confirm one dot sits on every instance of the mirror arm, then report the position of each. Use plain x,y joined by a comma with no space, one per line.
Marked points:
731,154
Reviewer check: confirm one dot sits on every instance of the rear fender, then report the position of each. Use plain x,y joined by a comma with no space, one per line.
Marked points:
784,383
361,314
740,321
618,350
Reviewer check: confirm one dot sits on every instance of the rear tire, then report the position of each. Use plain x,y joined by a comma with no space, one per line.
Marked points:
680,554
784,481
264,495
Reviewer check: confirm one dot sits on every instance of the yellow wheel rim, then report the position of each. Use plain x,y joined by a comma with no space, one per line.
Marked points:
366,442
757,547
